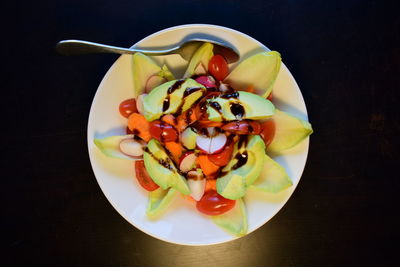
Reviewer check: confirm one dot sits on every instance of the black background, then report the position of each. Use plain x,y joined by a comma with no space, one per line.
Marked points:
345,56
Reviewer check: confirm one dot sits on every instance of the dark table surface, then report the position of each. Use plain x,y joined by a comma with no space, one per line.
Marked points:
345,56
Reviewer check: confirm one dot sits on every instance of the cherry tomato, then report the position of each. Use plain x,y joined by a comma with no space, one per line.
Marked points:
143,176
243,127
218,67
213,203
269,97
222,158
268,131
127,107
163,131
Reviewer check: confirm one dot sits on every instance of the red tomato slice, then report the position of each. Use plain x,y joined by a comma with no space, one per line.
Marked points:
213,203
163,131
268,131
143,176
127,107
218,67
222,158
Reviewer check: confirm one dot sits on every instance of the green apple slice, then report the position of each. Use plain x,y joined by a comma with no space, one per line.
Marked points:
159,201
166,73
188,138
273,178
144,68
254,107
233,221
289,131
202,56
259,71
109,146
235,180
162,169
153,103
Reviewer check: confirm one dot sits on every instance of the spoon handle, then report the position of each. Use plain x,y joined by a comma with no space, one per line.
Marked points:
77,47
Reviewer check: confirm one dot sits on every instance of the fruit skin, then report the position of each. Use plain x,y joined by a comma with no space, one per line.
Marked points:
260,70
162,169
273,177
255,107
289,131
202,56
159,201
233,184
235,220
154,104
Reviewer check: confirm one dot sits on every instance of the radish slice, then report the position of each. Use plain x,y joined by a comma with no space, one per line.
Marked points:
223,87
131,147
203,143
153,82
218,143
187,162
197,184
139,103
211,145
207,81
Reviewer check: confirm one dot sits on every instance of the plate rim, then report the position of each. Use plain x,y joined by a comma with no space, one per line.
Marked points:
89,138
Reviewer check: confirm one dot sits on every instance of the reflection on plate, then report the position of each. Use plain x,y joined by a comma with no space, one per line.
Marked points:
182,224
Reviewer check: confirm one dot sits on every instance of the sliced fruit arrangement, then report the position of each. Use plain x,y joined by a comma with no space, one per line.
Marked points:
207,135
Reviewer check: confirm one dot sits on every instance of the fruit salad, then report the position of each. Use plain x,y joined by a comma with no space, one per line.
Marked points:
206,136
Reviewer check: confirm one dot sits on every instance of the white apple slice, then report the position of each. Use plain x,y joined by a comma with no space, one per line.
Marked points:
197,184
153,82
139,103
211,145
131,147
187,162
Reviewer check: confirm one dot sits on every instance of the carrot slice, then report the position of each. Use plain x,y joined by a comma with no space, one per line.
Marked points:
208,123
207,166
189,198
185,119
139,126
250,88
176,150
170,119
211,184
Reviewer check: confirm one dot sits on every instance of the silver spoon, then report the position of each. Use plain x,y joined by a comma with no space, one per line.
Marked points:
185,48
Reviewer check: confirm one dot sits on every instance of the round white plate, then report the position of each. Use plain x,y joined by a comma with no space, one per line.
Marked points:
181,223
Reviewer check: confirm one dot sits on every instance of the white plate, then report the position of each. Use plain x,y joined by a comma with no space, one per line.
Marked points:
182,224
